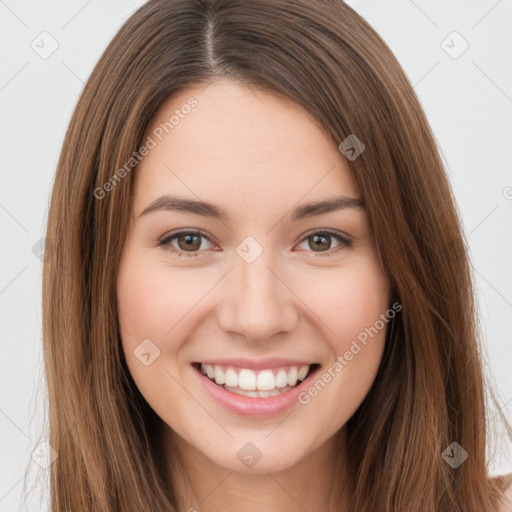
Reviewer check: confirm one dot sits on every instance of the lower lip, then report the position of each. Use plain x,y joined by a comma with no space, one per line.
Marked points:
253,406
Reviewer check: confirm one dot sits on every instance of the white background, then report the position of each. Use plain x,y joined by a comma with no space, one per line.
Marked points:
468,101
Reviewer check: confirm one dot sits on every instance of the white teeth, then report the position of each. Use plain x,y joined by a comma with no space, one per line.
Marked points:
249,381
265,381
246,380
281,379
256,394
292,376
218,375
231,378
303,372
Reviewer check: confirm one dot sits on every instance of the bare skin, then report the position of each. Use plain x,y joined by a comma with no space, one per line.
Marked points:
258,157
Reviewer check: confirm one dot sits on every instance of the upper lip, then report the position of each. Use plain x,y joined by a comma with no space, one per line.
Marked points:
252,364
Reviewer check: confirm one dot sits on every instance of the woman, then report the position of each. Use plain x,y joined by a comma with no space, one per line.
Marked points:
262,298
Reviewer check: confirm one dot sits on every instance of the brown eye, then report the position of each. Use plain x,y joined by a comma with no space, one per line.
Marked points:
188,243
321,243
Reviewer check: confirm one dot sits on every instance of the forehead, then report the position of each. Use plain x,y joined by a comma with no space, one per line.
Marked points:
229,143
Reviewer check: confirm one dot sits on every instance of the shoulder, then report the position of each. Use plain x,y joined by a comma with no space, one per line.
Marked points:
506,503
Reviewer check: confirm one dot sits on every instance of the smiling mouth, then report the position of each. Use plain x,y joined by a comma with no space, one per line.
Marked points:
256,383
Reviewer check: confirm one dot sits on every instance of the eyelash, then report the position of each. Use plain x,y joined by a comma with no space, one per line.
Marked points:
165,242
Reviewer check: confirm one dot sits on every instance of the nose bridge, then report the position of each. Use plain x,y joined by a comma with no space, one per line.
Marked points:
259,304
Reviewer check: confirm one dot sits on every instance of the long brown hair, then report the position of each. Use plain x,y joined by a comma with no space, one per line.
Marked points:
430,390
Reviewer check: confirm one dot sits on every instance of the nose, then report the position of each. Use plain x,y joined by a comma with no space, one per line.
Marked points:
259,303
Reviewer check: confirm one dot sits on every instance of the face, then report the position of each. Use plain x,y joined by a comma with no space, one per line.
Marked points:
283,304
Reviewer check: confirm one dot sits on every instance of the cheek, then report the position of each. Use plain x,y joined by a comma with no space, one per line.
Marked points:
153,300
350,301
351,304
140,294
149,306
152,303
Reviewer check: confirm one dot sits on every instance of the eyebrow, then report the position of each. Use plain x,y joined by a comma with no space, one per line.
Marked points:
182,204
